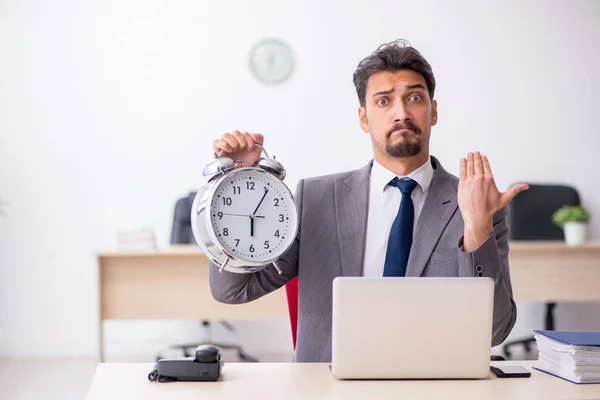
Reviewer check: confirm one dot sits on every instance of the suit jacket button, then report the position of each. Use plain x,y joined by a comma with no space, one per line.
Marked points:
479,268
480,274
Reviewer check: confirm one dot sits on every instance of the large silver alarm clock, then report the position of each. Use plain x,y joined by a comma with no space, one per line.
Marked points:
244,217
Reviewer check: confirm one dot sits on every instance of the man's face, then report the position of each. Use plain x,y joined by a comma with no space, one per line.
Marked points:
398,113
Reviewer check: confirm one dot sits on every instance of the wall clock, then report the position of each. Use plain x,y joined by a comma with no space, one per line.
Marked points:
271,61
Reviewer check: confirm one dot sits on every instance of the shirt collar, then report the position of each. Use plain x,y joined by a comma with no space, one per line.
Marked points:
381,176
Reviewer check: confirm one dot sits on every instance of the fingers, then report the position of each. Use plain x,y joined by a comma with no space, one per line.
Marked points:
470,165
512,192
231,141
237,141
463,168
477,163
221,145
249,141
242,142
474,164
258,138
487,170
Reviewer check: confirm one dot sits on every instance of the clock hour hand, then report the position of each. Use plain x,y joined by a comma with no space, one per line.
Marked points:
254,213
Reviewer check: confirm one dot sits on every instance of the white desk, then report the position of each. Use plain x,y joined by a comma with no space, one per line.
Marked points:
314,381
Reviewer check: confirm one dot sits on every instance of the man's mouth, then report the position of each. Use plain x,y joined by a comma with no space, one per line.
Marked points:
403,131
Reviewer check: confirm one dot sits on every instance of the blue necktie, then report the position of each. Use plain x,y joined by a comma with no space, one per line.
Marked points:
400,239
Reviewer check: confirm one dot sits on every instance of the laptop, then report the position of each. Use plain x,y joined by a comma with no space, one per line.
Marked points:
411,328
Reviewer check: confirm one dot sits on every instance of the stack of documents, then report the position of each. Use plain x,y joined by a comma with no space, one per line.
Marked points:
574,356
139,239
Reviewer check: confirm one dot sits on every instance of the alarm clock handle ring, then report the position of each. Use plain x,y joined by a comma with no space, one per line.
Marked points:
263,149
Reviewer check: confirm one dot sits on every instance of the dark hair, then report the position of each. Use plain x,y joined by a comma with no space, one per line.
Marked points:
393,56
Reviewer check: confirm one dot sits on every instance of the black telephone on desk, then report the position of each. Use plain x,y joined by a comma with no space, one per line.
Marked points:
204,366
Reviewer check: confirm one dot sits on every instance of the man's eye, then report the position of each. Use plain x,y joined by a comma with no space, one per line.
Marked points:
416,97
382,102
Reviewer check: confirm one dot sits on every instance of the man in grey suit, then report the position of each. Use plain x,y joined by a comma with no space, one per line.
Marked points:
358,223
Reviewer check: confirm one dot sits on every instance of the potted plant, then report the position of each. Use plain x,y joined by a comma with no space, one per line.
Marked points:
573,220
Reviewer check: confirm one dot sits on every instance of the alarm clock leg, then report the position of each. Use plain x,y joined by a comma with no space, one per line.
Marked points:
277,267
224,264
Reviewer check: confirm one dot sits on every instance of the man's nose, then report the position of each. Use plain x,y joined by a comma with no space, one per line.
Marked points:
400,113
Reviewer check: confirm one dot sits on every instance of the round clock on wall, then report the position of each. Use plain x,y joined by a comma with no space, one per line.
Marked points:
271,61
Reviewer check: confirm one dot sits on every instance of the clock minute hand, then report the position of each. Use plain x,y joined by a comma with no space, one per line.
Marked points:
259,203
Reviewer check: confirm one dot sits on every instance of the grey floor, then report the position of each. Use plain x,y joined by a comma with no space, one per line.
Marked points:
28,379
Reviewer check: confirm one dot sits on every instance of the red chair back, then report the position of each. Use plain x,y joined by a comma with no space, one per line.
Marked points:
291,291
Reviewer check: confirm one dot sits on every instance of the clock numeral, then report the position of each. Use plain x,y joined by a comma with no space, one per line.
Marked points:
220,214
266,244
225,232
280,217
226,201
276,202
277,233
237,242
251,249
250,185
237,190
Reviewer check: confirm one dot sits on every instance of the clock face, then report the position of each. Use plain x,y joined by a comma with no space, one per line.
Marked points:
271,61
253,216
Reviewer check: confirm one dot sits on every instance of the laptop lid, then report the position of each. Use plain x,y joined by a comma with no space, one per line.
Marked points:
395,328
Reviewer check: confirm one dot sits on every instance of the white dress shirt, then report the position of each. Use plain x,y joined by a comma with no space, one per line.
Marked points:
384,202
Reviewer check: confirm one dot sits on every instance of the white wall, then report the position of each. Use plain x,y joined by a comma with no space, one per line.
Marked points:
108,110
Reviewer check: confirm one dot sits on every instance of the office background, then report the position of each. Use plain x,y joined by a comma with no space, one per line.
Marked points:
108,110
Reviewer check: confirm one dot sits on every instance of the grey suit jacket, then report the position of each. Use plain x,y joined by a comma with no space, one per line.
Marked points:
331,241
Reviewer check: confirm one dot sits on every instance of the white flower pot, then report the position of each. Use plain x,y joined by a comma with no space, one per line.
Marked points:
575,233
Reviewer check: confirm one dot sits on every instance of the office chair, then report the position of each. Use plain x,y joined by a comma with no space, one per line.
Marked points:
181,233
291,292
530,218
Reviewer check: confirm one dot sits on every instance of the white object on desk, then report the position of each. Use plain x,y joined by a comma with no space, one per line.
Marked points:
137,239
575,233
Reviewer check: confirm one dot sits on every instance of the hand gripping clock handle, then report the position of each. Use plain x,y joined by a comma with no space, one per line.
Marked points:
256,144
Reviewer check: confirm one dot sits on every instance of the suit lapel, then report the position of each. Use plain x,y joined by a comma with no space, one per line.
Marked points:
440,205
351,200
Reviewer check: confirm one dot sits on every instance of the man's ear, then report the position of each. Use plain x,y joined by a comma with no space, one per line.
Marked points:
434,113
362,118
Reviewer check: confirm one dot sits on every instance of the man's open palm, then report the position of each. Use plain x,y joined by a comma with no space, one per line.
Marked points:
478,196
